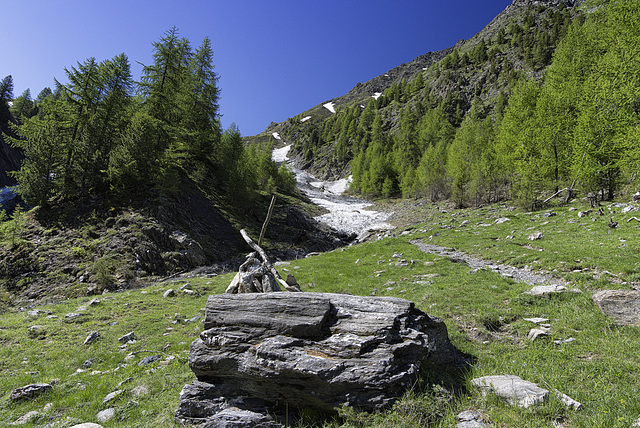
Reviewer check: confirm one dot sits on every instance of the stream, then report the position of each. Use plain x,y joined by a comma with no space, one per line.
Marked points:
346,214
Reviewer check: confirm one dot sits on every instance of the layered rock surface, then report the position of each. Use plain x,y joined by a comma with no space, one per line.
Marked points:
308,350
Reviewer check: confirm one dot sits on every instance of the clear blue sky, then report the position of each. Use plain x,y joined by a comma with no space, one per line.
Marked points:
275,58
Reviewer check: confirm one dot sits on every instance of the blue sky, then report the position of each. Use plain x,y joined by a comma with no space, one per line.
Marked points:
275,58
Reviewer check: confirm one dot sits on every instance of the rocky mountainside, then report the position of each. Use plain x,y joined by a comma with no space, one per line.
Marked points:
518,43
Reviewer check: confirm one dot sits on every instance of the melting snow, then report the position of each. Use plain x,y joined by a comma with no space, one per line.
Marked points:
330,106
276,136
346,214
304,119
376,95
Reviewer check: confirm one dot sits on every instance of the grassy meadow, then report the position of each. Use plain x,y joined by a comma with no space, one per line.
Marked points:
484,312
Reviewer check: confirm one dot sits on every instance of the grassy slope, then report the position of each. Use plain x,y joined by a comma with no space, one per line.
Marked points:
483,311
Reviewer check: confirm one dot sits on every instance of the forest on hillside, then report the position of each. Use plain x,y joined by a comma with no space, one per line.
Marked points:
518,136
104,132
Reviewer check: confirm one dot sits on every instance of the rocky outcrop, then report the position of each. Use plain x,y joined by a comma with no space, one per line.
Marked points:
308,350
623,306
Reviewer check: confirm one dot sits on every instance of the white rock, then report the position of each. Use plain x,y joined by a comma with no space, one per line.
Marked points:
106,415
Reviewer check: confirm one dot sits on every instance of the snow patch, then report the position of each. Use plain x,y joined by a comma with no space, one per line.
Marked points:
276,136
330,106
376,95
280,155
304,119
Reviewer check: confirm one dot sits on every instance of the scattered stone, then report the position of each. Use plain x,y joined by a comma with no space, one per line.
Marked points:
583,214
37,332
29,391
169,293
129,337
37,313
629,209
502,220
549,214
519,392
536,236
545,290
564,341
140,390
47,407
72,317
195,318
534,333
186,286
106,415
87,364
92,337
25,419
470,419
87,425
465,223
149,360
188,292
623,306
127,380
111,397
536,320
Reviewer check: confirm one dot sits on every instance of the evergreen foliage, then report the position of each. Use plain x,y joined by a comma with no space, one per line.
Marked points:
102,131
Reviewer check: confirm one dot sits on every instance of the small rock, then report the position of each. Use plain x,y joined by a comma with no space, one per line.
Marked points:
29,391
87,364
536,236
169,293
470,419
71,317
140,390
127,337
543,290
583,214
549,214
87,425
127,380
564,341
37,313
111,396
25,419
464,223
94,302
37,332
148,360
536,320
92,337
188,292
502,220
194,319
186,286
534,333
47,407
106,415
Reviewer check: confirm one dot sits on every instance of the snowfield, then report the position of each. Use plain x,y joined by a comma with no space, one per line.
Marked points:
346,214
330,106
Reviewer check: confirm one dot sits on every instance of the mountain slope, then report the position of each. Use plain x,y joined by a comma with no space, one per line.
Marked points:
518,43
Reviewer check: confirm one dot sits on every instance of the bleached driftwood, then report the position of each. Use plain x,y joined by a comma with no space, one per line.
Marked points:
255,276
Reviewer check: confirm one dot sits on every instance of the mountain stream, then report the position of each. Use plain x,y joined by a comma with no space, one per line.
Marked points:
345,213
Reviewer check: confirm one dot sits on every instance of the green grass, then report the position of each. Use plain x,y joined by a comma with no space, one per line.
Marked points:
484,313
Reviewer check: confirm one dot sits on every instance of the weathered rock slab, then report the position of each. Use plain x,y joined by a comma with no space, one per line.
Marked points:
29,391
519,392
621,305
309,350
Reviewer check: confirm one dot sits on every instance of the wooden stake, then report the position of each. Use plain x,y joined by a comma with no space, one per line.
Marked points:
266,222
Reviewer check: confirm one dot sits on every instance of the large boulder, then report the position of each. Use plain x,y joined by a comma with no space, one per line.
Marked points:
308,350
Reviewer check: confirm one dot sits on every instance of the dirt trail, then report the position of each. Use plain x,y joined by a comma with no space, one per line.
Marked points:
518,274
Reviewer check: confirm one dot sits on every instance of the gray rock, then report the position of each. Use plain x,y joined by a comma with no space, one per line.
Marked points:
29,391
26,418
73,317
311,350
623,306
535,333
519,392
169,293
502,220
140,390
106,415
127,337
149,360
37,332
87,425
536,236
545,290
111,396
92,337
237,418
470,419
